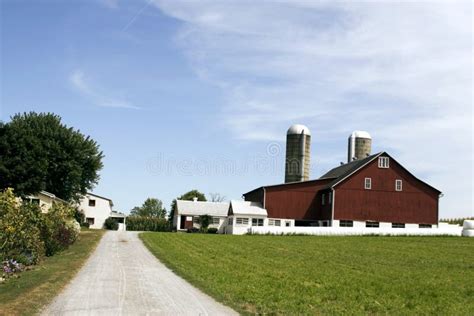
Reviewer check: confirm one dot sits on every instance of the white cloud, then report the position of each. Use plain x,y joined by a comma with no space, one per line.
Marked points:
77,79
401,70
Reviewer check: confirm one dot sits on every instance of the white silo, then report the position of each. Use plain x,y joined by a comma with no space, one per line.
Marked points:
359,145
298,143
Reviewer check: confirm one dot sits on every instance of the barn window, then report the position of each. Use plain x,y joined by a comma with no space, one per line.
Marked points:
398,225
274,222
398,185
323,199
424,225
257,221
242,221
368,183
372,224
345,223
383,162
287,224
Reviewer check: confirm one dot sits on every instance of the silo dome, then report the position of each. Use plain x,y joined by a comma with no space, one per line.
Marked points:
298,129
361,134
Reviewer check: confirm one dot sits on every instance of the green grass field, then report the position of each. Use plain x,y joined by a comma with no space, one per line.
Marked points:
34,289
325,275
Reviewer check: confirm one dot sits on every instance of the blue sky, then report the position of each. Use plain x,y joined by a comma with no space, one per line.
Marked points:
185,95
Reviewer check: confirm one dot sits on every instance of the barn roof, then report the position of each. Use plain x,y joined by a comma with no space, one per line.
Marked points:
344,171
202,208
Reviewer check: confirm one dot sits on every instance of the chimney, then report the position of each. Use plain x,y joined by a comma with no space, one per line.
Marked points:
195,199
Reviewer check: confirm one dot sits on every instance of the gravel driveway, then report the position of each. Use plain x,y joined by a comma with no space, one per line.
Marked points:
123,278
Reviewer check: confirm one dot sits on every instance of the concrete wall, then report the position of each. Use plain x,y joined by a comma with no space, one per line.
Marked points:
100,212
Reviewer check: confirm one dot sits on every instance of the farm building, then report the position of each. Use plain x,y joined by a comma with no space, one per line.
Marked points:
376,191
188,212
44,199
97,209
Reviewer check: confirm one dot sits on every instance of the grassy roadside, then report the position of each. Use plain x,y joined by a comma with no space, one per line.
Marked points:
34,289
325,275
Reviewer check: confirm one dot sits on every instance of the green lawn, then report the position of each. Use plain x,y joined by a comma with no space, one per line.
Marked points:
34,289
325,275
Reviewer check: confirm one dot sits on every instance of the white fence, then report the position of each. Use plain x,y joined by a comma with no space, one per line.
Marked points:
448,230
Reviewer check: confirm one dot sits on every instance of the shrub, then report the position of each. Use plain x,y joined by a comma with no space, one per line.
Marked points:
204,221
79,215
20,237
145,223
85,224
193,230
212,230
59,229
111,224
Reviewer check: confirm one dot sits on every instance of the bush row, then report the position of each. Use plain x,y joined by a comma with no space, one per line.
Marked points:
456,221
143,223
27,234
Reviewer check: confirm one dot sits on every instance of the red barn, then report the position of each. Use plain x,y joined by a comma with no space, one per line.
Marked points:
373,191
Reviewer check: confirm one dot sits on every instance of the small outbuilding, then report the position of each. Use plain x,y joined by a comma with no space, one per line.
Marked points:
244,214
188,213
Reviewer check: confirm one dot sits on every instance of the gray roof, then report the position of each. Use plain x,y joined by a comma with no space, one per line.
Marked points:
198,208
345,170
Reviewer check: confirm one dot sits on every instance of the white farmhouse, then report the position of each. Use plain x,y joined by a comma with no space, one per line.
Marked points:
45,200
188,212
97,209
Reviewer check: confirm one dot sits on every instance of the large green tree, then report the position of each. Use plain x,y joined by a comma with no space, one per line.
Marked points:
38,152
189,196
150,208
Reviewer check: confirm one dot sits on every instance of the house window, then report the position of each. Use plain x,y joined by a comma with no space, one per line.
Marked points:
372,224
90,220
230,221
274,222
398,185
330,198
92,203
345,223
323,199
196,219
424,225
368,183
287,224
216,220
242,221
383,162
257,221
398,225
